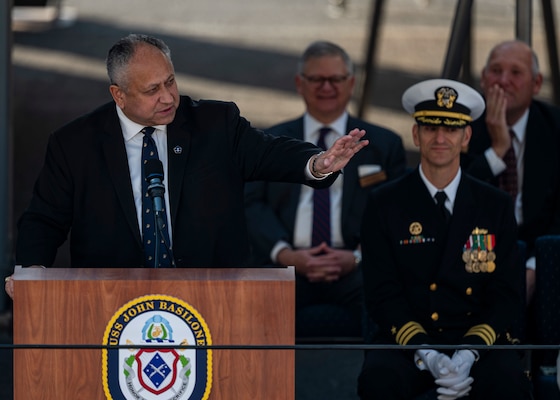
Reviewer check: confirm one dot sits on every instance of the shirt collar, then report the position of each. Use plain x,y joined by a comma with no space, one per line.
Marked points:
311,126
131,128
520,126
450,190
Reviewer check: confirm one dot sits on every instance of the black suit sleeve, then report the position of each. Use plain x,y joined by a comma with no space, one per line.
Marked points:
45,224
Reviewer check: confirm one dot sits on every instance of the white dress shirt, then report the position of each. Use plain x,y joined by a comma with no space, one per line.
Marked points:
450,190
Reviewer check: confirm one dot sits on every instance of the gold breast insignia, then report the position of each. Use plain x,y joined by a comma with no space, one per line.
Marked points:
415,230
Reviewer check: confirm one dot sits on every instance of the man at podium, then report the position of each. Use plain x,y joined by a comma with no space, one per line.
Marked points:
91,186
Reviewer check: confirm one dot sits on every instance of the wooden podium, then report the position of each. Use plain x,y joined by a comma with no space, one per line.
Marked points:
222,307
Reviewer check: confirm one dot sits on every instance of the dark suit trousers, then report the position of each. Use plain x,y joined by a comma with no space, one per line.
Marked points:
346,292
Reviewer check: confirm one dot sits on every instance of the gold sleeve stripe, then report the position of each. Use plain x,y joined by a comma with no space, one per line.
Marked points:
484,331
408,331
438,113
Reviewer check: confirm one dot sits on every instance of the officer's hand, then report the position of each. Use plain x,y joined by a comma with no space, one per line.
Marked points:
458,382
433,361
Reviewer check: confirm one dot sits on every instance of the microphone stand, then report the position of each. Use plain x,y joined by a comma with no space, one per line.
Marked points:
159,235
156,190
160,238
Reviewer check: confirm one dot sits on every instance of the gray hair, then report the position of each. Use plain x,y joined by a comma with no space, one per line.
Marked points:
121,53
324,49
535,70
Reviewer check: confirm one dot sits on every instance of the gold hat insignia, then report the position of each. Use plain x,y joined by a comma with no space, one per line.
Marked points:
446,97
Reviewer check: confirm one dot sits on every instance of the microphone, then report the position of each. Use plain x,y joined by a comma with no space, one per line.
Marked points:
153,172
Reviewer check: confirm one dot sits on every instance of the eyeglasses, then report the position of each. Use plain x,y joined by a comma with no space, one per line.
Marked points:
320,80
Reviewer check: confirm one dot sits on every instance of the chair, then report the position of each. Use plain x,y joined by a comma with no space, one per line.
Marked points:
547,316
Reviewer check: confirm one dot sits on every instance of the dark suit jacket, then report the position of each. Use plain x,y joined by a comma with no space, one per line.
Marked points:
420,278
541,171
271,207
84,188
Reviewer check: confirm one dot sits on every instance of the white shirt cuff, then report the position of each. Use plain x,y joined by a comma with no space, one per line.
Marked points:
497,165
281,245
531,263
309,175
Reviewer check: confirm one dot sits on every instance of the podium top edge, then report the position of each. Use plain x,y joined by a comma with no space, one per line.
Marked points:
161,274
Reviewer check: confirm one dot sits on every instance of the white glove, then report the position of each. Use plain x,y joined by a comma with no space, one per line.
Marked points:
456,391
457,383
438,364
465,357
459,370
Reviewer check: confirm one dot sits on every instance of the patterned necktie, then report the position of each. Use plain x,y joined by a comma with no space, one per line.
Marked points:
151,248
507,180
440,199
321,205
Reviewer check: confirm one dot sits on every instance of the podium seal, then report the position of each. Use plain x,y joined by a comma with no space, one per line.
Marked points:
158,368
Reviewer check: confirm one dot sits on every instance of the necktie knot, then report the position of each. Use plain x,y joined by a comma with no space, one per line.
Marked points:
149,150
148,130
441,197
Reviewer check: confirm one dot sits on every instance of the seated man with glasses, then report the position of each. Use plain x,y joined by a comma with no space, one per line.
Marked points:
319,81
318,231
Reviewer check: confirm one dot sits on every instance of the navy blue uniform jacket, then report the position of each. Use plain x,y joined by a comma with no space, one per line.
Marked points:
416,283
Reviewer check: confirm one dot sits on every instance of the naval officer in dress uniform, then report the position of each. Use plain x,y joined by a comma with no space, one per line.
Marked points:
439,265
